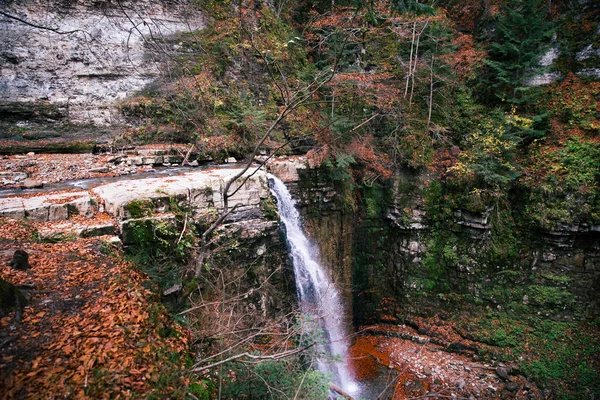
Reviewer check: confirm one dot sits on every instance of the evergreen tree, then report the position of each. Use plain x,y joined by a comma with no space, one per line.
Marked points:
412,6
521,36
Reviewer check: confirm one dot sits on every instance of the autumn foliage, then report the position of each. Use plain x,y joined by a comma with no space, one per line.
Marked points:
91,331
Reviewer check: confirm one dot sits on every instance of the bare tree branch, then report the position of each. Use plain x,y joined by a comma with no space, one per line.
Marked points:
256,358
46,28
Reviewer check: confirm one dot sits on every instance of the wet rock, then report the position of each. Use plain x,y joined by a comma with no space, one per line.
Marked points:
231,160
511,386
415,388
31,184
100,169
12,177
193,163
502,373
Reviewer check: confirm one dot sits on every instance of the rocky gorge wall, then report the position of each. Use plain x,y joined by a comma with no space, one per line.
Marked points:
385,263
75,61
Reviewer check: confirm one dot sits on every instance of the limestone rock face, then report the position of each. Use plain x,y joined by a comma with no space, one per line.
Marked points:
385,256
286,168
53,207
202,189
247,243
91,56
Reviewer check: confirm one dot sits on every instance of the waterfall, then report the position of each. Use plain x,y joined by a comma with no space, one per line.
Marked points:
317,295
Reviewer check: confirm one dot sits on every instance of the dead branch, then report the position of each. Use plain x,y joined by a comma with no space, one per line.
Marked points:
364,122
340,391
183,230
255,358
46,28
187,155
204,237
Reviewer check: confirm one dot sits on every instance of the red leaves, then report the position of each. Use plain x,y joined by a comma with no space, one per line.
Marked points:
444,160
466,58
381,90
377,164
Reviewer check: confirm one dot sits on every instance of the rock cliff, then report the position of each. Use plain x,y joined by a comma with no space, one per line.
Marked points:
401,253
75,61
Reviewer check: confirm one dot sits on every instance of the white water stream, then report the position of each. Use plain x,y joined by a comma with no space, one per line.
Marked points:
317,295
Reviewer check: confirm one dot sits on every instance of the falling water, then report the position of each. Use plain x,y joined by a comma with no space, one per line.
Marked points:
318,296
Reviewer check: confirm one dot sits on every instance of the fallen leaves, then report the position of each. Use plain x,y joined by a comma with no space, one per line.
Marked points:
91,330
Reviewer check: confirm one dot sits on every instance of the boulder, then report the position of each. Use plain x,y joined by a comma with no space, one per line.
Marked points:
30,183
286,168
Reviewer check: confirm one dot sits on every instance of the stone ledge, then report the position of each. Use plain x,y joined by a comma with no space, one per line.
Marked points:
45,208
67,228
201,189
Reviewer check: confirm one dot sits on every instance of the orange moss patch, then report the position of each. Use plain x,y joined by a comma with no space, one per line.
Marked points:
363,362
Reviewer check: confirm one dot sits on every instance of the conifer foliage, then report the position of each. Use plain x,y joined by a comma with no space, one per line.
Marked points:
520,38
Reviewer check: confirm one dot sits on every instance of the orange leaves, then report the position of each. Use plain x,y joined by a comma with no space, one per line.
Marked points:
79,337
16,229
381,90
576,103
363,356
466,58
68,349
443,161
377,164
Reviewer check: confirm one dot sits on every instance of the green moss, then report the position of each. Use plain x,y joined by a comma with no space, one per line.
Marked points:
140,208
551,297
581,164
269,208
157,250
56,238
557,279
377,200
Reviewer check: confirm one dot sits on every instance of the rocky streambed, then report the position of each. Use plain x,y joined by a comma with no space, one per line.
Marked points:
397,362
